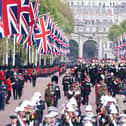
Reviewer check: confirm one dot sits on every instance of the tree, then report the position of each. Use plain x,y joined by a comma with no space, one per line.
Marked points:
61,13
123,26
114,32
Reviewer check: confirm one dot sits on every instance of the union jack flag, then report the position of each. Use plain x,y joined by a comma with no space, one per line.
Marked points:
24,17
33,14
19,39
1,23
35,8
124,40
42,35
10,16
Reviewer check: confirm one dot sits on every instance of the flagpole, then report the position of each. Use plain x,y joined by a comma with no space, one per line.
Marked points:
44,60
29,54
3,59
52,59
14,51
40,60
36,57
33,54
7,51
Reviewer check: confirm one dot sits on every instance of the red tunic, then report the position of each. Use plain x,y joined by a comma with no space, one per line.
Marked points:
8,83
1,75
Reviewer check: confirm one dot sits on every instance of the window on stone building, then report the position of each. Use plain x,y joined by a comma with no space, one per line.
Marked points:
99,4
110,45
93,4
77,28
103,4
104,29
105,56
113,4
88,3
105,45
82,3
84,29
110,4
71,3
92,22
78,3
90,29
97,29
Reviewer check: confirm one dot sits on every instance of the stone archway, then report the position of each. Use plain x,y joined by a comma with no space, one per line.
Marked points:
73,48
90,49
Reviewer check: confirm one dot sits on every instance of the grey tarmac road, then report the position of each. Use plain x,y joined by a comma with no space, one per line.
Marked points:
28,92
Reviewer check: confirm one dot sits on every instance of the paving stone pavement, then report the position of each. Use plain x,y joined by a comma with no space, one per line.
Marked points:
28,93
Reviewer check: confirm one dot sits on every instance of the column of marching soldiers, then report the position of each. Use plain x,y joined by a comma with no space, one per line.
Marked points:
109,82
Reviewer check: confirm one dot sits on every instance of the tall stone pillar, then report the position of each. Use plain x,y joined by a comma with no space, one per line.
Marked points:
80,46
101,49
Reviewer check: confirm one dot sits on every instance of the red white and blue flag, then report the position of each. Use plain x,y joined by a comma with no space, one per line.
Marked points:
33,15
10,16
28,40
24,17
42,35
1,23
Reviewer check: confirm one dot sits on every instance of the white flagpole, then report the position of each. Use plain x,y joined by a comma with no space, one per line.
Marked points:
44,60
40,59
14,51
32,54
7,51
36,58
3,59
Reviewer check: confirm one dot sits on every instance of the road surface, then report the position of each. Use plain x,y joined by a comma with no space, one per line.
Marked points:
28,92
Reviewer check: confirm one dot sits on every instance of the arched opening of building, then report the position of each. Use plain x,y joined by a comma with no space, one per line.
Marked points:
90,49
73,49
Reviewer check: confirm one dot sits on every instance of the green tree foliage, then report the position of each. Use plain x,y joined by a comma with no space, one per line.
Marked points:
61,14
123,26
116,30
